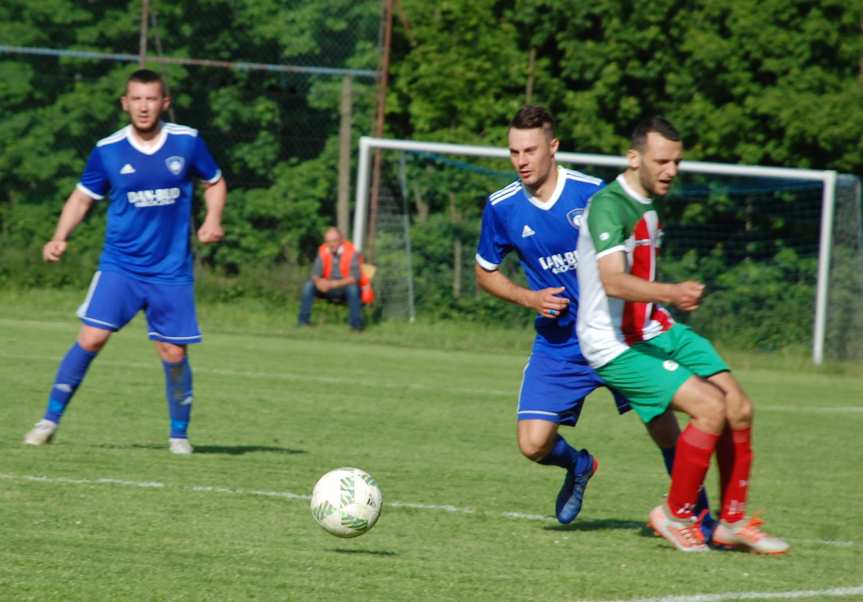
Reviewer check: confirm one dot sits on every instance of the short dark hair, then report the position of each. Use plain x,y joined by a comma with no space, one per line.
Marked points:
657,124
531,117
146,76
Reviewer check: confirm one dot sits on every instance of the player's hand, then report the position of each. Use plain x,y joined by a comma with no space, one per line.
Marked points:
548,304
323,285
53,250
209,233
687,295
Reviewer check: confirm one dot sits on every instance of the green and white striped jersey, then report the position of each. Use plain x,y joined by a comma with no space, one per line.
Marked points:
617,219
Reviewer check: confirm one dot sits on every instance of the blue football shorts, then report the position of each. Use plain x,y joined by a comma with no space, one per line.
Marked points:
554,389
114,299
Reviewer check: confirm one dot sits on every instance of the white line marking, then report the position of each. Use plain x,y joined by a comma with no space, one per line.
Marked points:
304,497
297,377
68,481
792,595
441,507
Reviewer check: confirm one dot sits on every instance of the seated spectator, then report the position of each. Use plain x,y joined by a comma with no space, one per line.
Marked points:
337,276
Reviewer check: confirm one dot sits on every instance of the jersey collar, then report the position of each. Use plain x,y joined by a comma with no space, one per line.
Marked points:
628,190
148,150
547,205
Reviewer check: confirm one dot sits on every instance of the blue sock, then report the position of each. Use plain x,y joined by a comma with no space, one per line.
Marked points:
668,458
71,372
566,456
178,391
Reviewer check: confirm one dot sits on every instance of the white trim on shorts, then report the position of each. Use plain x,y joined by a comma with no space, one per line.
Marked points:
153,333
82,309
540,412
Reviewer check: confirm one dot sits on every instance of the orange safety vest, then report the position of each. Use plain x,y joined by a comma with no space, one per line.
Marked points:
367,294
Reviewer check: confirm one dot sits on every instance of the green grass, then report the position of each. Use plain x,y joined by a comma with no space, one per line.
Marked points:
426,409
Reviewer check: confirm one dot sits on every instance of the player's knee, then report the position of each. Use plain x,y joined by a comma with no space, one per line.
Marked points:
93,342
534,450
712,410
173,354
739,409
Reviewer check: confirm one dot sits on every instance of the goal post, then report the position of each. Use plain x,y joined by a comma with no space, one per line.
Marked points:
826,179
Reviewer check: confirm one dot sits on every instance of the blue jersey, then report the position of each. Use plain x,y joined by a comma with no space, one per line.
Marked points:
545,236
150,210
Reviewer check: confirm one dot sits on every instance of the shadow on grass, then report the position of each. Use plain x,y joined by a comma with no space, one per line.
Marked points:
227,450
364,552
238,450
601,525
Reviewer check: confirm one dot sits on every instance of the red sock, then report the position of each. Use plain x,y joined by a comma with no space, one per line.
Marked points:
691,461
734,454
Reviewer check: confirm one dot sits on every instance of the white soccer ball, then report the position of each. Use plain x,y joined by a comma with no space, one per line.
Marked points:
346,502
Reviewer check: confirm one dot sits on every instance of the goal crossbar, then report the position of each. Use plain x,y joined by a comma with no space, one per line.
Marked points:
827,178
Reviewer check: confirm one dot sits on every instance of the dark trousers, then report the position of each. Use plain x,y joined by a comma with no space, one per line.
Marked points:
347,294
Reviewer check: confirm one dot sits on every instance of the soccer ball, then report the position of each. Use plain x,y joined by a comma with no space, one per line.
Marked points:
346,502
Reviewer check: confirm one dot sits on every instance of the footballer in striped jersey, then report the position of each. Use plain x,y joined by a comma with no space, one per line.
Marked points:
660,365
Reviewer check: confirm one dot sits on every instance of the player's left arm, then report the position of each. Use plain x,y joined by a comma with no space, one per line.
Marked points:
215,197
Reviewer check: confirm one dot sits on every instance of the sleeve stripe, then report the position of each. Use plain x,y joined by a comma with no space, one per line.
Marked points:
505,190
485,264
614,249
216,177
89,192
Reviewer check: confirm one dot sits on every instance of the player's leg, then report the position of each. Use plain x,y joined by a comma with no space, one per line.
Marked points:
307,299
173,324
178,392
110,303
734,456
705,404
652,382
734,448
665,430
551,394
540,441
675,519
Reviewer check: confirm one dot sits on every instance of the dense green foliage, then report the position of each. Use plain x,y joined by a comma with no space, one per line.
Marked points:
773,82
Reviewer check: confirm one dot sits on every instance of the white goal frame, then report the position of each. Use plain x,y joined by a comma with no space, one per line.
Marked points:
826,177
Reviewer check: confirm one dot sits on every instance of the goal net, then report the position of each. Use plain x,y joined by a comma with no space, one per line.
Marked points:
778,249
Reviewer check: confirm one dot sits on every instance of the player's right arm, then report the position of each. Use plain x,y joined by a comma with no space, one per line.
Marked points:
494,244
608,232
617,282
545,301
73,213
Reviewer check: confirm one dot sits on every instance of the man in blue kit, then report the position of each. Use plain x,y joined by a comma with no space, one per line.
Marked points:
147,169
539,216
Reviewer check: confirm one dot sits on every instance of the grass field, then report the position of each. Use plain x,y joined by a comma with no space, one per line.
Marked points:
106,513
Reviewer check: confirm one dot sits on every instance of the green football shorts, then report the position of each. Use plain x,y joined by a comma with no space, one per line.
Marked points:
651,372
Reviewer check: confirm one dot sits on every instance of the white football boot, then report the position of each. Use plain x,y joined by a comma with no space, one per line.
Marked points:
181,447
42,433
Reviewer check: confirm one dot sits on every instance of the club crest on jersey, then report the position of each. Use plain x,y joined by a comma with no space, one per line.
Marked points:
574,218
175,164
